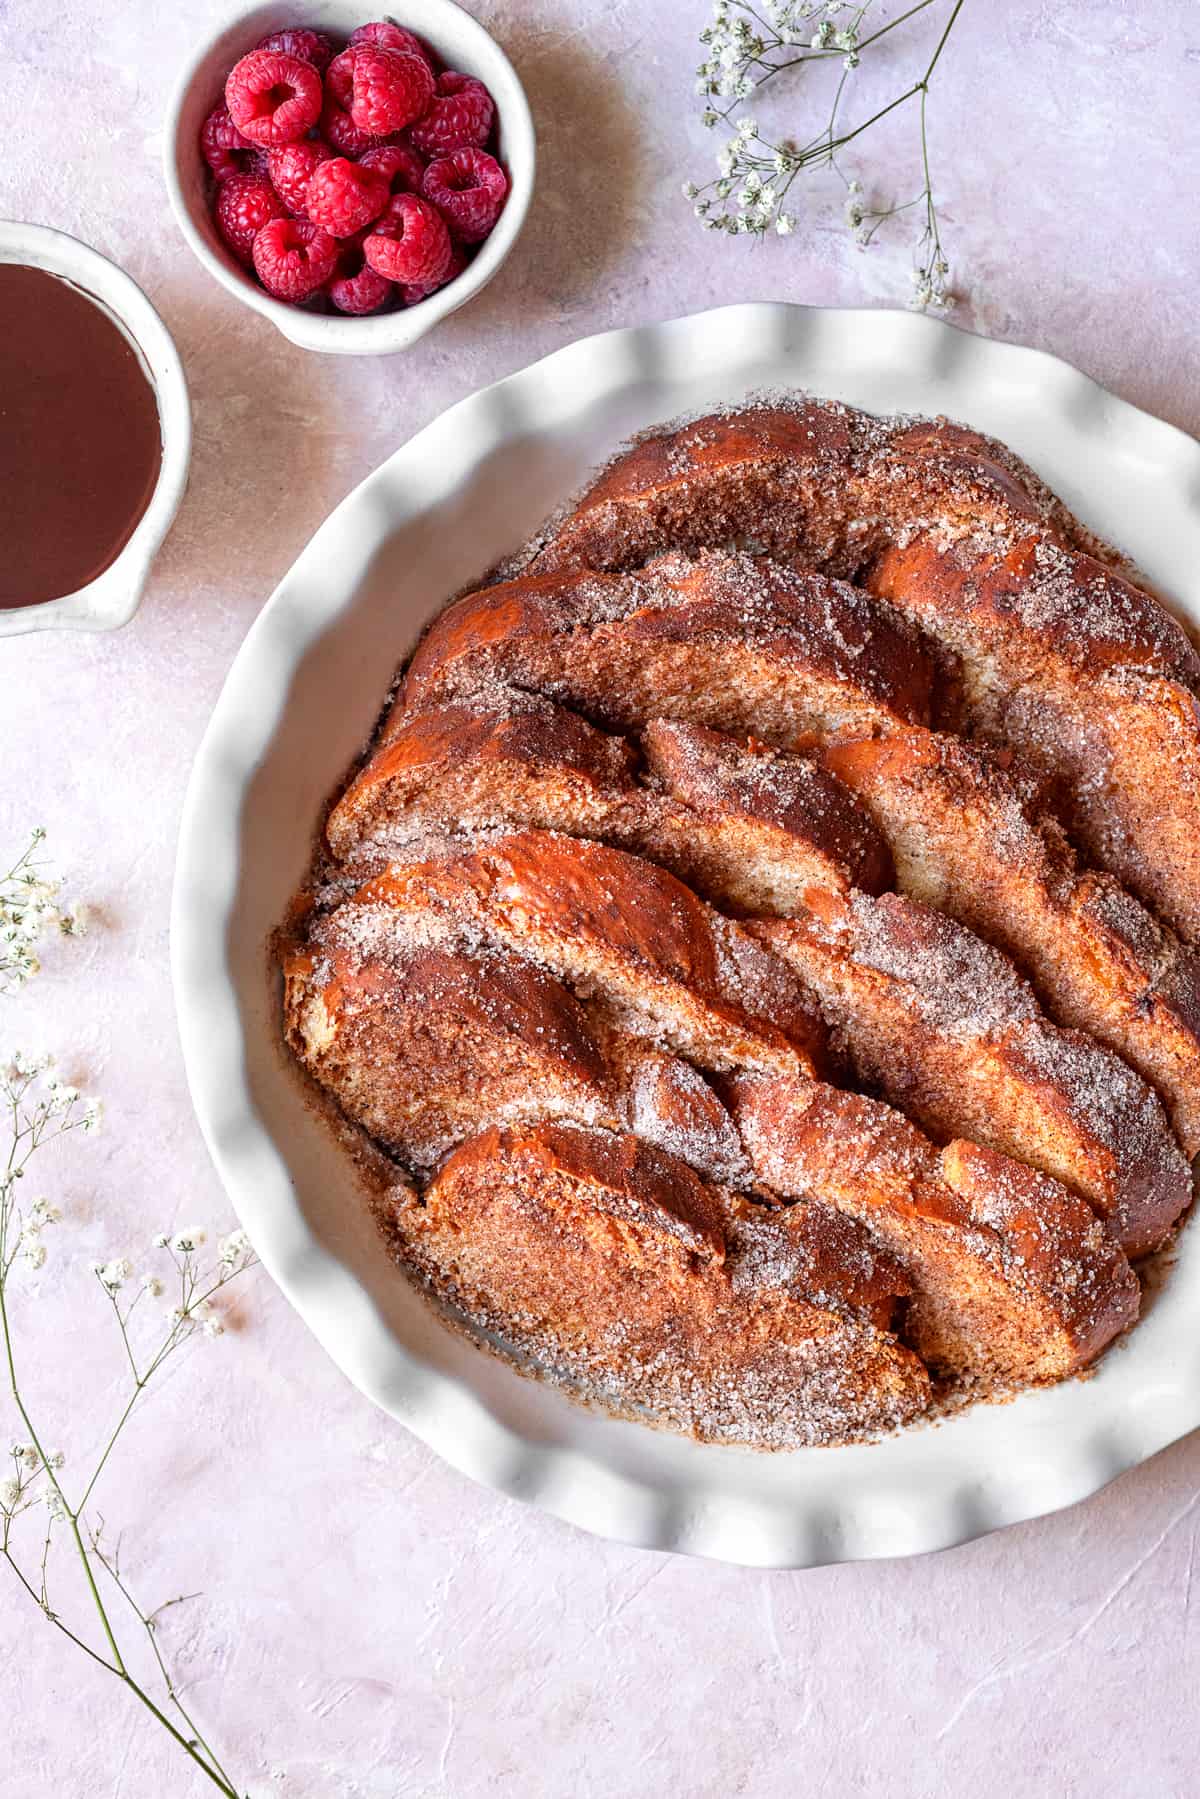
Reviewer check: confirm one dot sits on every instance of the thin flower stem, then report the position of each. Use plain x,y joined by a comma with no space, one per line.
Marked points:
117,1666
27,1421
745,48
57,1622
941,43
900,19
147,1622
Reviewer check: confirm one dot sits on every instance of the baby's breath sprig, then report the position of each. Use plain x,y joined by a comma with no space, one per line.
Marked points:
744,50
29,909
40,1505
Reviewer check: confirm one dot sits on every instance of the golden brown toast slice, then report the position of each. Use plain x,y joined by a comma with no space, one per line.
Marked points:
814,480
733,641
422,1045
620,1273
760,825
612,925
750,831
1090,680
941,1024
1013,1276
425,1046
965,840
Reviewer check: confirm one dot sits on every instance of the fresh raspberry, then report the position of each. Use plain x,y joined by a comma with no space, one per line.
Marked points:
468,187
244,205
273,99
412,293
382,90
388,36
291,169
294,257
360,293
344,196
410,243
339,130
460,114
222,145
403,168
310,46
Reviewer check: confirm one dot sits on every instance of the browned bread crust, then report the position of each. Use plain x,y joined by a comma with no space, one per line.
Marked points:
1091,681
620,1273
781,819
673,968
425,1061
941,1023
1061,655
423,1045
1013,1277
932,1016
812,480
733,641
750,831
965,840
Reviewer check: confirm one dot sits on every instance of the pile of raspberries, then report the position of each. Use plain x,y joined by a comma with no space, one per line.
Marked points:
358,180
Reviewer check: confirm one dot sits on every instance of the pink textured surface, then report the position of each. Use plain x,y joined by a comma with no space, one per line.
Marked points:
372,1625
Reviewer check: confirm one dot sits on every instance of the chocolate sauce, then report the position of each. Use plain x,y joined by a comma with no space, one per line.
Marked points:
80,443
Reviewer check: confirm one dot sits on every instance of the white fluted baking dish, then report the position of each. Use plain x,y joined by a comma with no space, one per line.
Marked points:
297,705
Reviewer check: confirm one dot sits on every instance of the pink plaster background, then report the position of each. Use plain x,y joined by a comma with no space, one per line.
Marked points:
373,1626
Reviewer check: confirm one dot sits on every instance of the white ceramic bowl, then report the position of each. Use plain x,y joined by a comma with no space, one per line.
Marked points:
113,597
298,703
464,45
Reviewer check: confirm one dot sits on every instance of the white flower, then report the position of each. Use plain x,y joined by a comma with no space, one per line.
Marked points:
213,1327
190,1238
55,1506
747,128
161,1241
75,922
153,1286
28,1457
114,1274
235,1245
785,224
35,1255
689,190
10,1493
57,1460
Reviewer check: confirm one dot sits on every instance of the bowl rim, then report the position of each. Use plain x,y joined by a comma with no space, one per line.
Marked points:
112,598
388,332
920,1490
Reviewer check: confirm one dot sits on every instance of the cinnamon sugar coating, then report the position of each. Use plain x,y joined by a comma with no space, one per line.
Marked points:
600,941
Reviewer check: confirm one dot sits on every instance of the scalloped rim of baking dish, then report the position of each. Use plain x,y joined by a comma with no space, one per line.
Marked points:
298,702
